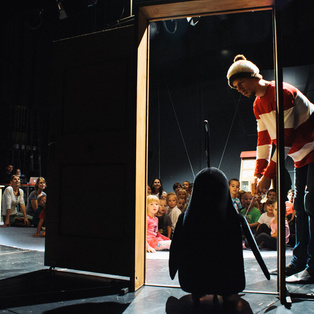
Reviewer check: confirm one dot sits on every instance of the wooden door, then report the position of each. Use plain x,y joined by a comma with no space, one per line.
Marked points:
92,211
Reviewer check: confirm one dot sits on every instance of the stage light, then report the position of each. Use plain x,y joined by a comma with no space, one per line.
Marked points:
62,14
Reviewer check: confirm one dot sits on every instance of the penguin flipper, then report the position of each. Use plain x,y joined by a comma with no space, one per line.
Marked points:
175,248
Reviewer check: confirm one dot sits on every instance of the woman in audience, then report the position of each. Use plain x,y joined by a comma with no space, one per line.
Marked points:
157,188
11,198
32,203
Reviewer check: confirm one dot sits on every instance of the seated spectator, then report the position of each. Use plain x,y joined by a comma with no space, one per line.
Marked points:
5,176
173,211
265,240
183,194
181,204
157,188
13,197
41,217
155,240
186,186
163,196
41,206
164,221
32,203
21,176
240,194
265,219
149,190
234,187
191,188
249,211
272,196
176,187
290,214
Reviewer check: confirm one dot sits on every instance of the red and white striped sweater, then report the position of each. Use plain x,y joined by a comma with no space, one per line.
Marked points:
298,128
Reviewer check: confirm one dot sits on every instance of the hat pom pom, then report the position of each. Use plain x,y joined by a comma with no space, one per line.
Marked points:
238,58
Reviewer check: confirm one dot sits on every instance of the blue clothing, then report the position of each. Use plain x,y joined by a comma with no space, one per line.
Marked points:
236,203
303,251
35,219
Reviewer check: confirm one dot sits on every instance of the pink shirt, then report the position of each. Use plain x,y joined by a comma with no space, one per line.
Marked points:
274,227
152,234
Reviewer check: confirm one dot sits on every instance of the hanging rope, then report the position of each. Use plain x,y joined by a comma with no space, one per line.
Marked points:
177,120
158,100
226,144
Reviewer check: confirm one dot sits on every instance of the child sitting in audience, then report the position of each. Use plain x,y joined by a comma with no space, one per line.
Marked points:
155,240
186,186
265,219
234,187
40,216
290,214
182,204
265,240
176,187
272,196
250,212
164,221
173,211
183,194
41,206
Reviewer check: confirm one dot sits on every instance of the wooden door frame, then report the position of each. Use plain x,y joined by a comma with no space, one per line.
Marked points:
146,13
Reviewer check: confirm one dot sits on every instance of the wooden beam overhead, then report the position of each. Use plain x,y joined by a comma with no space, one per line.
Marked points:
164,11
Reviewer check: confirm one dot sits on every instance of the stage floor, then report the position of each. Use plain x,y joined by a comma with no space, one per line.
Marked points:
23,267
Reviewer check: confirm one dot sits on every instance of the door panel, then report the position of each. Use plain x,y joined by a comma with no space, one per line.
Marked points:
91,175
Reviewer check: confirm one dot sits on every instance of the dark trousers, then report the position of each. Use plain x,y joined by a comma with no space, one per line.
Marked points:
303,251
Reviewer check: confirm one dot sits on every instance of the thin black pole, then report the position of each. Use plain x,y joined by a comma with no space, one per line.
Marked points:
281,251
207,153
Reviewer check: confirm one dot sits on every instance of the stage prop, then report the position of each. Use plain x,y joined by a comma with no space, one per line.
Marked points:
206,249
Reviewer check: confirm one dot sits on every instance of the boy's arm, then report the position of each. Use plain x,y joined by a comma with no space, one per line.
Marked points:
254,224
169,231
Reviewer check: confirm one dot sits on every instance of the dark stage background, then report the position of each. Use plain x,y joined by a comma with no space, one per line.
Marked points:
187,80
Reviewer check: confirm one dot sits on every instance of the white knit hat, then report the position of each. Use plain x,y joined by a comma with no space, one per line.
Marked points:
242,68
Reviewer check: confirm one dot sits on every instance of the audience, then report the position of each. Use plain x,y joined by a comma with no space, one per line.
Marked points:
265,219
234,187
32,203
164,221
176,187
290,214
157,188
5,176
265,240
183,194
249,211
155,240
270,195
186,186
40,216
182,204
41,206
13,197
149,190
173,211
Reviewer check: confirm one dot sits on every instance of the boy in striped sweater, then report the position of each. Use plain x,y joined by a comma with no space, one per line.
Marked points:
244,76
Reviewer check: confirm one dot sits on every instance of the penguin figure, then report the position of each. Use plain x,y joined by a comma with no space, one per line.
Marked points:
206,249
